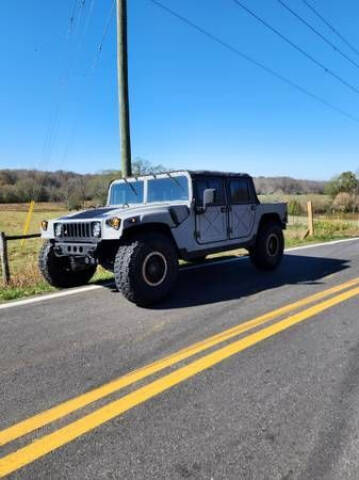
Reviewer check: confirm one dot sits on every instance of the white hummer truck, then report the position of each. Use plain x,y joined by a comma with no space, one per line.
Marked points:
152,221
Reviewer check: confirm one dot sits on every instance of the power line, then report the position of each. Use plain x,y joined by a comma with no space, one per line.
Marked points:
107,25
301,19
54,123
334,30
104,34
297,47
77,5
262,66
87,21
73,13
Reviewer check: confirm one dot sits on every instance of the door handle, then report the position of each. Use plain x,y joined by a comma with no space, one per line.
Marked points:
253,207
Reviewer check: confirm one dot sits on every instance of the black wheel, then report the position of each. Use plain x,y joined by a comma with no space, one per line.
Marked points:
146,268
57,271
268,250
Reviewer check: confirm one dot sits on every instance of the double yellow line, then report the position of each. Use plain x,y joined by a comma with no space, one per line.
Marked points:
49,442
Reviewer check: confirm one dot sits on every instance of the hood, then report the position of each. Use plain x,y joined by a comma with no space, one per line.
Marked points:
90,214
103,212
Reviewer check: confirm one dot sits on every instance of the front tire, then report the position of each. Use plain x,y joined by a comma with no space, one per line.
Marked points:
57,271
268,250
146,268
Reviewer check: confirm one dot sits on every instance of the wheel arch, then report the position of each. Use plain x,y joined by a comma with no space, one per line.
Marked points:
268,218
151,227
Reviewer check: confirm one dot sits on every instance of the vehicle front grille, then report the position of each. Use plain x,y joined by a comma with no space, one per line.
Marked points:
81,230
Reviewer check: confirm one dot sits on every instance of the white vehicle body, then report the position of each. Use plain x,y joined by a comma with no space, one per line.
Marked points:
150,222
223,225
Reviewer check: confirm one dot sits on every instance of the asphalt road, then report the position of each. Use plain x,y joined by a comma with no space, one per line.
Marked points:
277,398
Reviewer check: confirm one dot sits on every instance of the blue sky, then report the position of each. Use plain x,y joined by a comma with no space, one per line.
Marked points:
194,104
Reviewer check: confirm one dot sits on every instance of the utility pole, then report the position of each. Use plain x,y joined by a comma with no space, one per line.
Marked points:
122,79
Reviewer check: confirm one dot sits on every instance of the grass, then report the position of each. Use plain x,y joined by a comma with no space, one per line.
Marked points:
26,279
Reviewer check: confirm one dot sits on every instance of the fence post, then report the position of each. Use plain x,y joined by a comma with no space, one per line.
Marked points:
4,259
310,219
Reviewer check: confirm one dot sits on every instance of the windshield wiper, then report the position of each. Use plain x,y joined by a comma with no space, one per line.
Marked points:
176,181
131,186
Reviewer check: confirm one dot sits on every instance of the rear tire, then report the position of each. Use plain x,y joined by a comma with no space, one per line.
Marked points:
57,271
146,268
268,250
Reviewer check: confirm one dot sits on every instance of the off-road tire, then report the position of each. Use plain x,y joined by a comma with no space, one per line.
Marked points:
57,270
268,250
132,261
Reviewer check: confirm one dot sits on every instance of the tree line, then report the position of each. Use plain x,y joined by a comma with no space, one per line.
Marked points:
74,189
288,185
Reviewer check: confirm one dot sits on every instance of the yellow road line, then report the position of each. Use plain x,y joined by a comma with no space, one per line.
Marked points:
59,411
64,435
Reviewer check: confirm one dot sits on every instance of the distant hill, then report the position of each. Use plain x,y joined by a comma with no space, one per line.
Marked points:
17,186
266,185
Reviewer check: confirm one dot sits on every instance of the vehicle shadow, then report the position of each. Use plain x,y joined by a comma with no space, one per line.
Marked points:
238,278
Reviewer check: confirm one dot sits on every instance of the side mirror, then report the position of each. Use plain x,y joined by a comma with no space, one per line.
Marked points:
208,197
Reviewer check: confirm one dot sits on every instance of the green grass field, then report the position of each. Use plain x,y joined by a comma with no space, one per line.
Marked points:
26,279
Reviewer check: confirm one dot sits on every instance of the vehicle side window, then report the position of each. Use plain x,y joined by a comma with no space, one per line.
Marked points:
210,182
240,191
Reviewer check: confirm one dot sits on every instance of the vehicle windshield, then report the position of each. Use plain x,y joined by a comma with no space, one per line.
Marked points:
167,189
126,192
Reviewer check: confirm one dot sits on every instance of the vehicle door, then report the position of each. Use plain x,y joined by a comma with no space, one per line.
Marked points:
242,206
211,223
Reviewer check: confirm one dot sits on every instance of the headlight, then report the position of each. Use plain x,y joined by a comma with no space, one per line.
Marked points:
96,229
44,225
58,229
114,222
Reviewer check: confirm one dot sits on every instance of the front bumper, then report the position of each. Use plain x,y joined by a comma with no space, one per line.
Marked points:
77,249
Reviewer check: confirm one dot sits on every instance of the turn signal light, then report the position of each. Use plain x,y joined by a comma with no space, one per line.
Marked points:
44,224
114,222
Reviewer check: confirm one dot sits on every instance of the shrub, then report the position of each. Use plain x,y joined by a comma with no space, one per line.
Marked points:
343,202
327,229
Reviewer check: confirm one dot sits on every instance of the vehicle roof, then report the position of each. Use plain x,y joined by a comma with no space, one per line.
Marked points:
216,174
192,173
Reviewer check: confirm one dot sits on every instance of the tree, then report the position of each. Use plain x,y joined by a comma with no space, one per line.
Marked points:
144,167
346,182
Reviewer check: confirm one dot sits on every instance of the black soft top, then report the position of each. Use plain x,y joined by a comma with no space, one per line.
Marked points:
197,173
